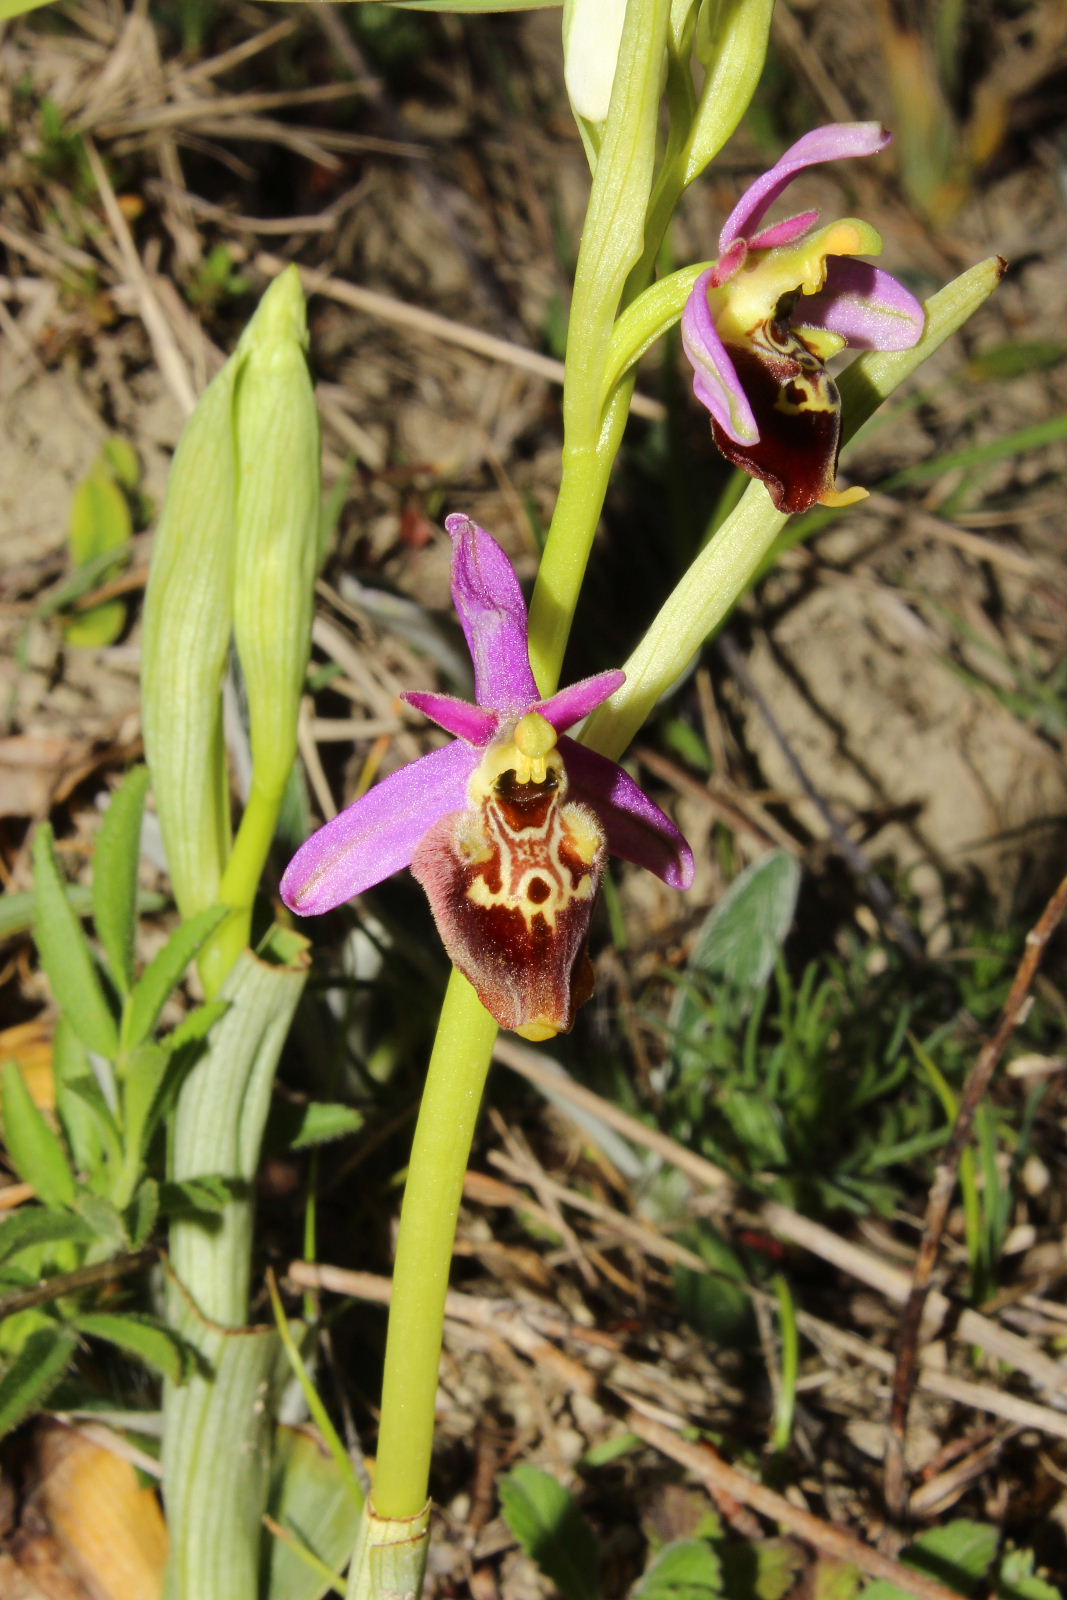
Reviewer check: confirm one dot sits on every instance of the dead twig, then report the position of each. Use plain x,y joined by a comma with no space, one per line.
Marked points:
943,1188
782,1220
830,1538
64,1283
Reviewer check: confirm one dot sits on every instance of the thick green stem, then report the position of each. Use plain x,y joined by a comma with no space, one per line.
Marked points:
584,483
451,1100
240,882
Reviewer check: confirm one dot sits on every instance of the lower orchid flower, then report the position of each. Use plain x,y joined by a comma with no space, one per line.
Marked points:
761,324
508,827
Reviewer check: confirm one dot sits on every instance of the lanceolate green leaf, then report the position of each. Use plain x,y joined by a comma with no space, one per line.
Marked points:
15,8
18,912
70,1062
545,1518
37,1225
118,851
140,1336
65,954
147,1069
309,1495
33,1374
164,973
35,1150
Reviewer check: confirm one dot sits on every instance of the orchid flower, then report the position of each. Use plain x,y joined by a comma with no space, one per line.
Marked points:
762,322
506,828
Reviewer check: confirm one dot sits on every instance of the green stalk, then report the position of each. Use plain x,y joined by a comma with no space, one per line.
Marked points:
584,483
240,881
451,1099
613,243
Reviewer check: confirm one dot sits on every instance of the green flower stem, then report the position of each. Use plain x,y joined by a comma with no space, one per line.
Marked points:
451,1099
240,881
584,483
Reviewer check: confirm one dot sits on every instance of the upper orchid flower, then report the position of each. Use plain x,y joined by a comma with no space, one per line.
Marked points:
762,322
506,828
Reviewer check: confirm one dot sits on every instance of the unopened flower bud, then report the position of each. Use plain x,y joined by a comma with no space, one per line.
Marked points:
187,624
278,514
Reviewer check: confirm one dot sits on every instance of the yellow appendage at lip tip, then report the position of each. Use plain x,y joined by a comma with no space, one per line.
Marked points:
843,497
537,1032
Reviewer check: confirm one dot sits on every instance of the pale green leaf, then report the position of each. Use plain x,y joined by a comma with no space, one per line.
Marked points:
740,940
34,1148
689,1569
145,1073
312,1500
959,1554
122,461
86,1092
163,974
105,1220
18,911
1017,1579
546,1520
201,1197
140,1336
33,1374
96,627
37,1225
70,1062
299,1127
141,1213
16,8
115,860
65,954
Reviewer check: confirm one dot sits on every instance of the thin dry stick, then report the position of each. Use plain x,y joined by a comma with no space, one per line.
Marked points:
828,1537
164,345
64,1283
782,1220
943,1188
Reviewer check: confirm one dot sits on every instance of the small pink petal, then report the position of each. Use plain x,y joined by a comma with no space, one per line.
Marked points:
865,305
636,828
378,835
783,232
473,723
833,142
715,381
570,705
728,265
492,612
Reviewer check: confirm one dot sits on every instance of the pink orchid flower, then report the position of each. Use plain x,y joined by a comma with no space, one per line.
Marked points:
761,324
506,828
